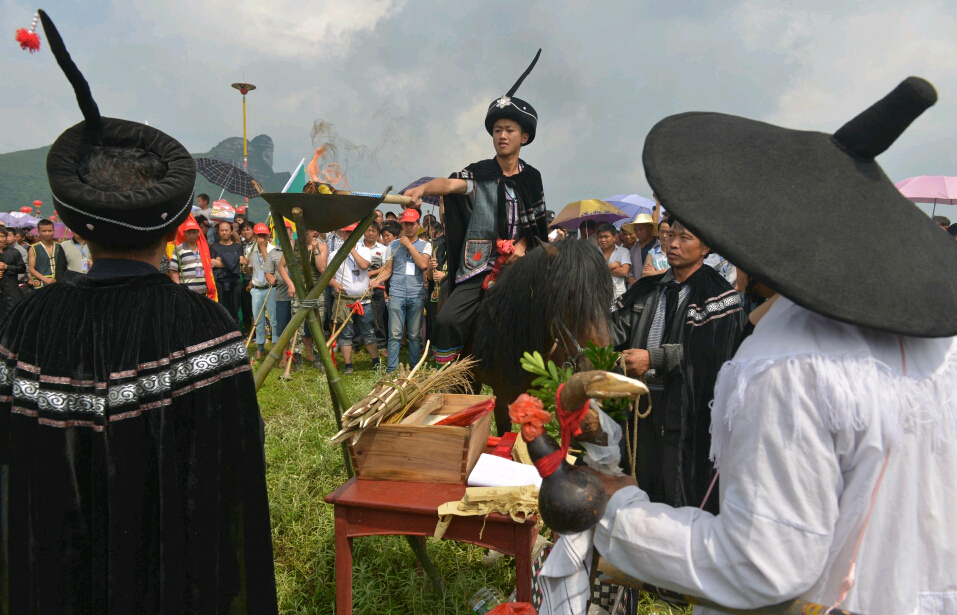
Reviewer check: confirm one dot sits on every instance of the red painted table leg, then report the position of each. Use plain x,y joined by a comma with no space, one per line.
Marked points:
343,563
524,541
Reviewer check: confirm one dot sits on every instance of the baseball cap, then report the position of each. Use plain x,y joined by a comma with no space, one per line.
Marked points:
260,229
409,215
190,225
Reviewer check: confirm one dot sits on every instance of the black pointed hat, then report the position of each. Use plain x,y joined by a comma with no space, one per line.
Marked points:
511,108
760,196
116,219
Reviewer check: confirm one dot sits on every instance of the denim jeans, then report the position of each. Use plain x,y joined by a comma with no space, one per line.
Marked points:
405,313
259,297
365,324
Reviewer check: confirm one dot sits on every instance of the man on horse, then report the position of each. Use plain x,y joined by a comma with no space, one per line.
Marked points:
494,212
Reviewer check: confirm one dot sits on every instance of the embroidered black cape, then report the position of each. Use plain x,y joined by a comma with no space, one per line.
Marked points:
458,207
132,474
707,331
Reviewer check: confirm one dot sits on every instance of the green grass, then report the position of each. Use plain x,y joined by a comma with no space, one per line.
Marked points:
302,468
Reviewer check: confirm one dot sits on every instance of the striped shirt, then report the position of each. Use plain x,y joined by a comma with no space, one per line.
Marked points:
657,330
189,264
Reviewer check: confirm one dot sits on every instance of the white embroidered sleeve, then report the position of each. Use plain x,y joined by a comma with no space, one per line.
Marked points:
779,507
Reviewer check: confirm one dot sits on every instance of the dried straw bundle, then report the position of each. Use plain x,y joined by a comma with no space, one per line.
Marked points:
392,398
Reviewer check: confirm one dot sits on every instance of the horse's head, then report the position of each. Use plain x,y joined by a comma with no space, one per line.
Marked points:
554,300
582,291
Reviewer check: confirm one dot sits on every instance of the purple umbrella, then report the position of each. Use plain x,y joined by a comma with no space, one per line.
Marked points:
930,189
18,219
631,204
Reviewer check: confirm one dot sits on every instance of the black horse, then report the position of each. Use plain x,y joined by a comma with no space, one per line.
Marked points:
554,300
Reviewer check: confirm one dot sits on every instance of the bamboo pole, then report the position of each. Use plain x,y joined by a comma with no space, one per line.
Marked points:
303,247
391,199
308,315
287,372
256,323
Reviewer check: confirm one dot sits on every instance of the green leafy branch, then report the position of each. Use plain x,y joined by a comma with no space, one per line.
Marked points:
549,378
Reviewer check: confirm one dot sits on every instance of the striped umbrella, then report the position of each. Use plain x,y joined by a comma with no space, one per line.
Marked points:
431,200
229,176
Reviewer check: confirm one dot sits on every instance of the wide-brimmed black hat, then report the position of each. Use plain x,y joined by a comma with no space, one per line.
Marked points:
115,219
510,108
812,215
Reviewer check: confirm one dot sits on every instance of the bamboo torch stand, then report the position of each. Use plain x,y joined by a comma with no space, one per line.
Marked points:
340,400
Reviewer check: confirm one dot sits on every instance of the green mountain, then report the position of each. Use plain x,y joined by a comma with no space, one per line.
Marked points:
23,175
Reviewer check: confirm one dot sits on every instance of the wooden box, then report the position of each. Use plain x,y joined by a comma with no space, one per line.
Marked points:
415,450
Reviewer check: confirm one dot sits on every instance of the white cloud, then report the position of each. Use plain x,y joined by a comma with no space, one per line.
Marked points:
318,29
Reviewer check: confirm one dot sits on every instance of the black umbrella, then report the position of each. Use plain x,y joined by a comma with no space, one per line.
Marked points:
229,176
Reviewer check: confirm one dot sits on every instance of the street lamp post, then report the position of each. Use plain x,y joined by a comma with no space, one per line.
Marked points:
244,88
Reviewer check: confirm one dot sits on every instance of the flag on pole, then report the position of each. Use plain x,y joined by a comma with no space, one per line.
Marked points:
296,183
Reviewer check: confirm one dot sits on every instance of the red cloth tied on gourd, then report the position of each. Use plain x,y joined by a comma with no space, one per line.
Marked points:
570,423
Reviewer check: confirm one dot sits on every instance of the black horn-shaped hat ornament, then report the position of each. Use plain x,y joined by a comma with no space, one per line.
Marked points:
115,219
812,215
516,109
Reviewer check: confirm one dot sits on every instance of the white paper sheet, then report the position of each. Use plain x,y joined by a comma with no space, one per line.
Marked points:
492,471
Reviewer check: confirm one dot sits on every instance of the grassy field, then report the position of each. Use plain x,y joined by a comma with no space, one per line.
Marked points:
302,468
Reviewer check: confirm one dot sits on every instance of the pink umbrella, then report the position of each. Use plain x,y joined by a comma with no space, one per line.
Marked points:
930,189
60,231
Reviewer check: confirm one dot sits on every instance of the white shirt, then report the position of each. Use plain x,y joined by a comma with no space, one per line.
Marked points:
621,256
354,279
802,419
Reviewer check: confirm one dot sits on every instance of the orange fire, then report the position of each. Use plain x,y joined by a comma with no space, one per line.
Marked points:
332,174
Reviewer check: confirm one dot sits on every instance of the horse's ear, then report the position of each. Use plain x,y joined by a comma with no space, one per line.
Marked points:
550,249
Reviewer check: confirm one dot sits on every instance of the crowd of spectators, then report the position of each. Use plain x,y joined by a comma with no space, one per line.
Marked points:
385,295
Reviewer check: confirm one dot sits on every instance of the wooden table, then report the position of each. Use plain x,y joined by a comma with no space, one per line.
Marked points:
392,508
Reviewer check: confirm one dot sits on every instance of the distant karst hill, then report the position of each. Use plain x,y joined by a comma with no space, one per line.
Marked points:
23,177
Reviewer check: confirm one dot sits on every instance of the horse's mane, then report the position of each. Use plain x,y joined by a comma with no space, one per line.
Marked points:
565,282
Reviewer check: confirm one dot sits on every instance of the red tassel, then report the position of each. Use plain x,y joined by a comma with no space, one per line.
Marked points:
28,40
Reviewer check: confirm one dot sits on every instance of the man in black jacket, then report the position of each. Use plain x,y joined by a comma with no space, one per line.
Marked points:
676,330
11,266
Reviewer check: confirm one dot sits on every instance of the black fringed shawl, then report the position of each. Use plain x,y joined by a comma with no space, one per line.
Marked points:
708,329
527,185
132,475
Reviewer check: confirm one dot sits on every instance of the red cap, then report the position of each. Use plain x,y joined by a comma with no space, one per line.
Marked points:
409,215
260,229
288,224
190,225
351,227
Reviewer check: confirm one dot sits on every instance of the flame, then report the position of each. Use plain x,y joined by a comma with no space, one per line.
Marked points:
331,174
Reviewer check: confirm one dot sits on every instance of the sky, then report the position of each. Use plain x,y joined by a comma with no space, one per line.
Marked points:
411,80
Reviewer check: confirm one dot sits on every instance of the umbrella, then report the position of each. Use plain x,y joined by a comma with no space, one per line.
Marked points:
930,189
227,175
575,213
431,200
60,231
632,205
18,219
